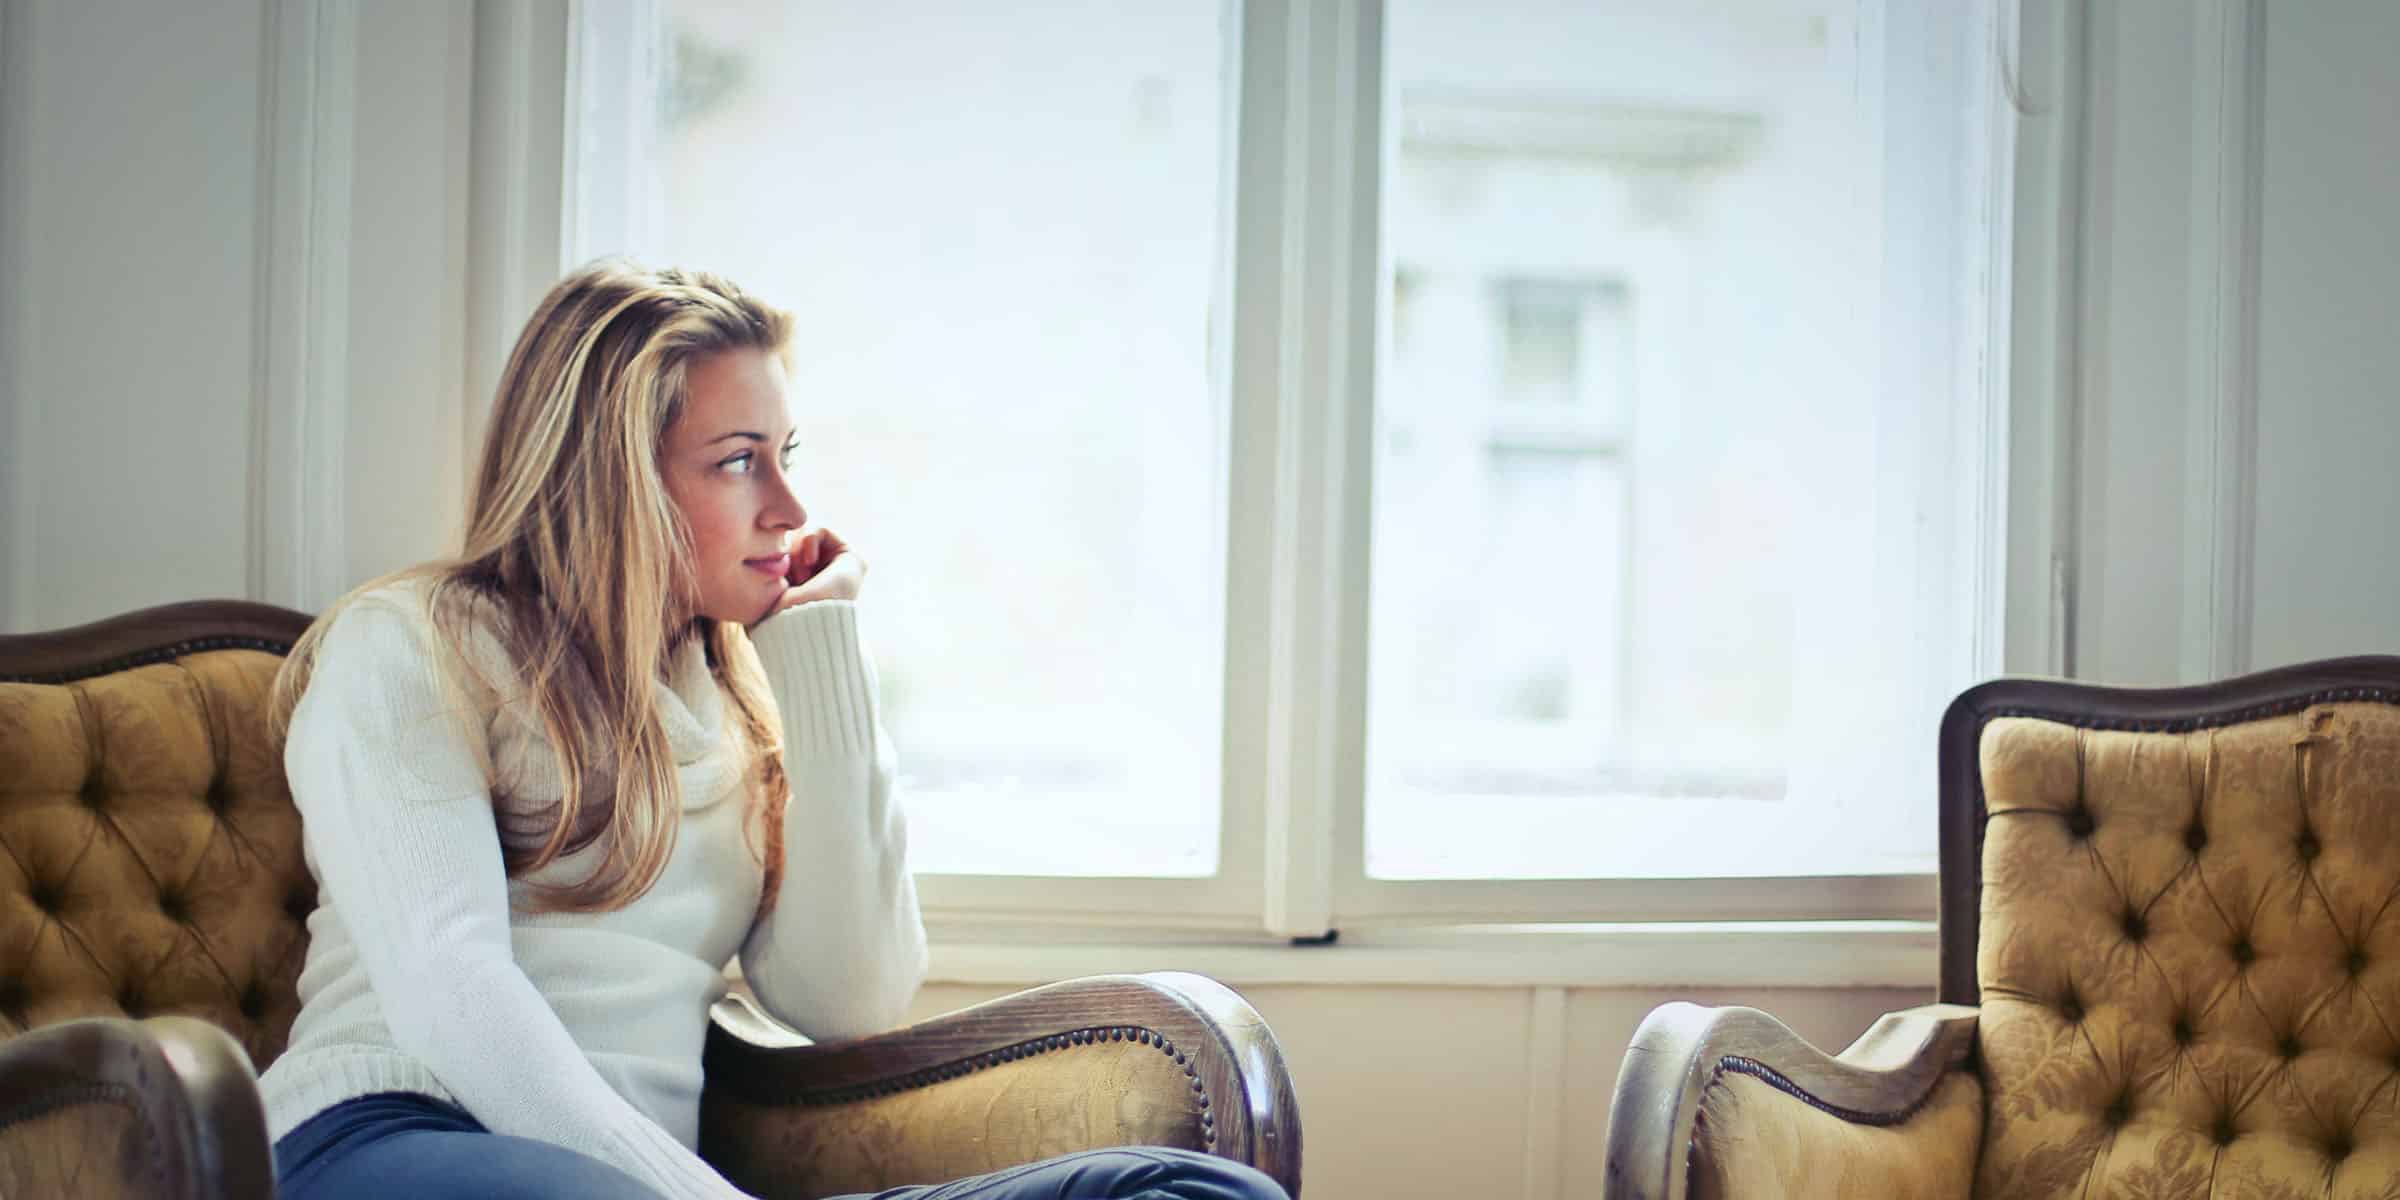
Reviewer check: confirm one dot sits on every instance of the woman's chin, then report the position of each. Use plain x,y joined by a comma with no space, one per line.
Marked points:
758,610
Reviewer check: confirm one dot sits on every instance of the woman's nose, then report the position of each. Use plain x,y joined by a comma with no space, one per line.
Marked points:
784,510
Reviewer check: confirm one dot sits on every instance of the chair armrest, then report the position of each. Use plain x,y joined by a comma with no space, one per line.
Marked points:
1703,1086
1163,1059
165,1108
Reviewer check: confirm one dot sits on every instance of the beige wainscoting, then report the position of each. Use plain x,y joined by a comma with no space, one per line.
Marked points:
1487,1092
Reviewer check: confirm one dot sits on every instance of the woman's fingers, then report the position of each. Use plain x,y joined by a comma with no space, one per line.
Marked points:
824,567
816,550
839,580
804,557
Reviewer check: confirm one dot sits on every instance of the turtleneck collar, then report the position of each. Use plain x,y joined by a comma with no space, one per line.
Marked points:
691,708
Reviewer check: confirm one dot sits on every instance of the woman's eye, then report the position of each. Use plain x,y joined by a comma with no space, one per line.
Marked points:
790,453
739,464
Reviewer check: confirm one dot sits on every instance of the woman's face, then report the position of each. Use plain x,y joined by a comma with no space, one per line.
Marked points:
724,462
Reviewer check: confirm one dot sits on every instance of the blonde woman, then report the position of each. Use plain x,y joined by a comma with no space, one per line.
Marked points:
552,785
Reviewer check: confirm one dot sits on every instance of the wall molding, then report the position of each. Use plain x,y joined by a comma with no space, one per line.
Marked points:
1995,38
301,355
517,186
1545,1093
16,411
2046,319
2221,429
1671,955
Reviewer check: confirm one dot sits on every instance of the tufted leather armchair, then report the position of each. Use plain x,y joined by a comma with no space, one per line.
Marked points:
153,902
2170,966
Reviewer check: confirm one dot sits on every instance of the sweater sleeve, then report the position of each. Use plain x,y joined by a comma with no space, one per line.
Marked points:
843,949
397,817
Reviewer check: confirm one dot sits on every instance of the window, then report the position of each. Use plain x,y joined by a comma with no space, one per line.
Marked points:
1504,436
1357,461
1674,514
1041,498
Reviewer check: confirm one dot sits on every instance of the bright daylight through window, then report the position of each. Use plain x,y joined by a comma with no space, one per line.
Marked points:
1003,271
1666,581
1679,518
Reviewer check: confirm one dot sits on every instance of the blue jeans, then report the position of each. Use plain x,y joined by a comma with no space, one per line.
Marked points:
402,1144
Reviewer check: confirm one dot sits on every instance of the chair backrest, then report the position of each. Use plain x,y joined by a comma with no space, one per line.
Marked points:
150,858
2180,912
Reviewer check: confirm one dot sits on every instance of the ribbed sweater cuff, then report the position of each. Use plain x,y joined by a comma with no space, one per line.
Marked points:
818,667
314,1081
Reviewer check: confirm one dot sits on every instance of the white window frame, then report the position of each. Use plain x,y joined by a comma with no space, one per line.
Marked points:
1303,195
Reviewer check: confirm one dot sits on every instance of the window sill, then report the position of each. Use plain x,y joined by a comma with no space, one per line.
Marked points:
1813,954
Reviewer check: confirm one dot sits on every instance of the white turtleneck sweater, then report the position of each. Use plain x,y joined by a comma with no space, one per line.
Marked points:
579,1029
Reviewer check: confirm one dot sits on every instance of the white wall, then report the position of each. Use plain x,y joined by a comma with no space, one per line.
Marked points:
131,240
2327,580
2204,362
225,227
406,459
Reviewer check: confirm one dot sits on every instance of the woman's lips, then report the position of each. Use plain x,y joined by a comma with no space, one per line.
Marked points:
778,566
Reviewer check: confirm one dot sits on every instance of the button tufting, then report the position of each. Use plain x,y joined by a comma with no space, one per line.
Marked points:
2135,927
2071,1007
2223,1132
2340,1147
2309,846
171,903
47,898
2288,1046
2183,1031
2356,961
2119,1110
2196,837
254,1002
2079,821
2242,952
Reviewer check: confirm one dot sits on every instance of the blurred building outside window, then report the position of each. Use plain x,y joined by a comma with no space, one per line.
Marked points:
1664,581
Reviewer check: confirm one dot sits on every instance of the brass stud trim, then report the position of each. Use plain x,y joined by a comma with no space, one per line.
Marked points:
958,1068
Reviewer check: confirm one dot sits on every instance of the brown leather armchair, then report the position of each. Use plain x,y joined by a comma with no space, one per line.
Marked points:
2170,966
152,895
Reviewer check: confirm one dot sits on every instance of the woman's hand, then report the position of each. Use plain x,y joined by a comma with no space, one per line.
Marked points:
824,567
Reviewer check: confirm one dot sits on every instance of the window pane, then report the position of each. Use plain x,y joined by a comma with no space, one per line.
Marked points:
1001,232
1659,582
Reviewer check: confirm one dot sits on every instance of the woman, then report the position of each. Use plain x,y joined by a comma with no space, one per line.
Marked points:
549,787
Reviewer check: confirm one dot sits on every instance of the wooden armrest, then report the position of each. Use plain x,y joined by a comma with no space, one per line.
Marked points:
163,1109
1160,1059
1683,1050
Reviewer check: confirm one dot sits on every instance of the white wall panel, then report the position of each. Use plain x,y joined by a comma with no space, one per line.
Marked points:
131,242
2128,573
405,469
2328,573
232,298
2211,187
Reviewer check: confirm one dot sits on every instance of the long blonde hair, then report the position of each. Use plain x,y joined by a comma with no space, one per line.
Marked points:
576,556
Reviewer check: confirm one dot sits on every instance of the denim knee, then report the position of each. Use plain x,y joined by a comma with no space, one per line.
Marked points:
1197,1176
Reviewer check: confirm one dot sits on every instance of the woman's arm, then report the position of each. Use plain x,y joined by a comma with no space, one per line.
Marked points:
399,826
843,949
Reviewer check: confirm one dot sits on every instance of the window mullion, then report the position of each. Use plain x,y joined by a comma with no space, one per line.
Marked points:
1305,288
